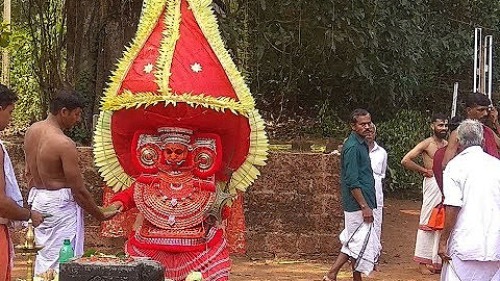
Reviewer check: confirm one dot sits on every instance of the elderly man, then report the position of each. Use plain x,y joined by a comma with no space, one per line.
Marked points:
470,243
359,240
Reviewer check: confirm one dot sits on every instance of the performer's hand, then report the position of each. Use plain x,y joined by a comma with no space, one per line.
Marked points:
367,214
36,218
443,251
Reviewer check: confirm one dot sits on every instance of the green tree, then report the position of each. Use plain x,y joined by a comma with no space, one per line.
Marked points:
376,54
23,79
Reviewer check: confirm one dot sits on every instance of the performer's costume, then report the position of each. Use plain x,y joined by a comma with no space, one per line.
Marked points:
177,137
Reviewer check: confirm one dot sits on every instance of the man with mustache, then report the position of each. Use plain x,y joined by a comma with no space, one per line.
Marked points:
426,248
437,168
477,107
358,201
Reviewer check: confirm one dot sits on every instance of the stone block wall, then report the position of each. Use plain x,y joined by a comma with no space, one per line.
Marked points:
292,211
294,208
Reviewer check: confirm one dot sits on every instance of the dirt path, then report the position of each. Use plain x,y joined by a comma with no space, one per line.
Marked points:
398,240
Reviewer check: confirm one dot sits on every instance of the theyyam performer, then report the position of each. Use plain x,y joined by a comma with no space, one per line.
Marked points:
178,136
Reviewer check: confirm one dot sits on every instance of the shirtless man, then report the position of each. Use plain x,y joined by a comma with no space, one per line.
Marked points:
57,184
426,248
477,107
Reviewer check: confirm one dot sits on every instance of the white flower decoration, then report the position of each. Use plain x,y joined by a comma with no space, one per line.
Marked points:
196,67
148,68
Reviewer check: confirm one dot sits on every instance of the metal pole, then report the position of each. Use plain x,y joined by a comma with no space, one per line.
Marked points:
489,62
477,57
484,65
481,65
454,102
5,52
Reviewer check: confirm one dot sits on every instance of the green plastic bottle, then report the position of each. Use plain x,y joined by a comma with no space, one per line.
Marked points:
66,252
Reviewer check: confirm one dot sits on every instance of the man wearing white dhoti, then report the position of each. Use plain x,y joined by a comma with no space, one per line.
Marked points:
359,240
427,238
57,184
65,222
378,158
11,200
471,235
427,242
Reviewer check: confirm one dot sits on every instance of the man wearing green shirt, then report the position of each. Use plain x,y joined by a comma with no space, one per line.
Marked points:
358,200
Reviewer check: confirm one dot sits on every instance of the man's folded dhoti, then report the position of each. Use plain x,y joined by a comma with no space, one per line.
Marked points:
427,242
360,241
65,222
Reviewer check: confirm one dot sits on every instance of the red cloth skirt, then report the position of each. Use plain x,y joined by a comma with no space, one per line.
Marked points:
213,262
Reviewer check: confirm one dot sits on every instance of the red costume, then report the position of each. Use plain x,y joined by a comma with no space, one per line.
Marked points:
490,144
177,137
437,166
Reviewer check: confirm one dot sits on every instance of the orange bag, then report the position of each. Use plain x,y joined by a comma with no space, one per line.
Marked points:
436,221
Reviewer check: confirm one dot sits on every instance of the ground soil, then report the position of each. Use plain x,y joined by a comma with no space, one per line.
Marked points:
398,239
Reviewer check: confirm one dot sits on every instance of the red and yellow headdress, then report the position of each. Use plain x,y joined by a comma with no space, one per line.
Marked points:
177,73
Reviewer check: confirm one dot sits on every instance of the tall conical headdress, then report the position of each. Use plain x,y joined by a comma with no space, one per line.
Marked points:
177,73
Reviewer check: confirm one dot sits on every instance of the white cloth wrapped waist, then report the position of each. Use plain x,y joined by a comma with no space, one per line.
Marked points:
360,241
65,222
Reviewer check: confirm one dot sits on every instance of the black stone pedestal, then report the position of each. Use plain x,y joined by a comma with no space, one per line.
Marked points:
133,271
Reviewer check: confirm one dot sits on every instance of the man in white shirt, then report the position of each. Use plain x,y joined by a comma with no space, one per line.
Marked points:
378,158
470,242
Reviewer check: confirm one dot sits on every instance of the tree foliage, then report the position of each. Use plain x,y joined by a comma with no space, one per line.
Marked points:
388,54
415,126
16,38
5,34
24,80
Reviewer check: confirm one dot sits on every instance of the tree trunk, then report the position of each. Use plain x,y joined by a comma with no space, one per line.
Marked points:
97,33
